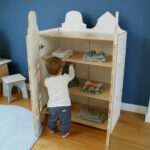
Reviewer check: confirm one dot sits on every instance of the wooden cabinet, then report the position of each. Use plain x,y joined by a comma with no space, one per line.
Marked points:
106,36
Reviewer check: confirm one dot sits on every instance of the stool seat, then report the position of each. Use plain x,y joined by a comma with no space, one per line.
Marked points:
10,81
13,78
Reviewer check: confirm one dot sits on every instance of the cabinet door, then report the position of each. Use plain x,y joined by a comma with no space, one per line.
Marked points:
34,80
119,75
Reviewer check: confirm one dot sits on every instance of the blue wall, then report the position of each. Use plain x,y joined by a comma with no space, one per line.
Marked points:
134,17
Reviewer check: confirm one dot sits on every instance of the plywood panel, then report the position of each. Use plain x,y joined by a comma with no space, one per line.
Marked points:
105,46
34,69
113,74
102,74
119,79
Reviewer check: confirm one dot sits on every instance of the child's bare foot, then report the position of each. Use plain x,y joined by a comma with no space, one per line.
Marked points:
52,131
64,136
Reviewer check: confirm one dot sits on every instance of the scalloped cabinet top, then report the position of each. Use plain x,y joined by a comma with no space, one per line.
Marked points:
73,27
74,22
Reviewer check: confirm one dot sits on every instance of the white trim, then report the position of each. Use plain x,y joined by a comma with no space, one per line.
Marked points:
147,117
134,108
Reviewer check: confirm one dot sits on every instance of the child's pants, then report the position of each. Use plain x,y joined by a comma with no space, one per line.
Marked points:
60,113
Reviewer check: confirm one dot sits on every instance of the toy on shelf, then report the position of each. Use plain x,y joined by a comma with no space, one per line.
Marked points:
89,87
62,53
92,114
93,56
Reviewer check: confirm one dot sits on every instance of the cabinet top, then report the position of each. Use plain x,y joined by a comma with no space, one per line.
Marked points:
73,27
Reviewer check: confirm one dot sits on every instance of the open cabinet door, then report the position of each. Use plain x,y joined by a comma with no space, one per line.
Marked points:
34,70
120,62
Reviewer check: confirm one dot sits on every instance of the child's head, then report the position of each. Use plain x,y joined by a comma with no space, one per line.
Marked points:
54,65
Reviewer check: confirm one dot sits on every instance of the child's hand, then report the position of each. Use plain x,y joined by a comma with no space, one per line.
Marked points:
72,64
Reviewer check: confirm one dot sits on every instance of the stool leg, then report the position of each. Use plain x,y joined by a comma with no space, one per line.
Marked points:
9,93
19,90
5,89
23,89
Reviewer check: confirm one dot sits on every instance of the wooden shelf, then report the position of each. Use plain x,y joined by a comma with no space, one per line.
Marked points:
77,58
76,109
104,95
77,35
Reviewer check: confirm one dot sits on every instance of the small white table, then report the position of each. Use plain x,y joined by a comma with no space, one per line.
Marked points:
10,81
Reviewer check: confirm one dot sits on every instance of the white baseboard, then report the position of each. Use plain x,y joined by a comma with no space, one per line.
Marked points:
147,118
134,108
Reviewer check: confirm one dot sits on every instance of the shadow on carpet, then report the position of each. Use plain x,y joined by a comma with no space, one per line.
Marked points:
16,128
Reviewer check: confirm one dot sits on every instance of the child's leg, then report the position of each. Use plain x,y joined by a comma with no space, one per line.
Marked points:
65,119
52,119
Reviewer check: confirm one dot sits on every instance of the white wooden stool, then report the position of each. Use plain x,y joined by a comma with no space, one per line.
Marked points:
10,81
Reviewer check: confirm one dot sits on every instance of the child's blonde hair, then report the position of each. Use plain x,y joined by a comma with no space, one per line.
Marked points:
53,65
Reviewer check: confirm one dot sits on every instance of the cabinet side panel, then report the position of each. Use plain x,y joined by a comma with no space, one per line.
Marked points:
34,69
119,78
34,79
46,44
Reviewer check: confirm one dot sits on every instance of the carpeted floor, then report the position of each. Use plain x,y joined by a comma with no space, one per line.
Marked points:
16,128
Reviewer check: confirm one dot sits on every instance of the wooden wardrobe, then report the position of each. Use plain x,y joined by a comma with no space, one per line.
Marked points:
73,34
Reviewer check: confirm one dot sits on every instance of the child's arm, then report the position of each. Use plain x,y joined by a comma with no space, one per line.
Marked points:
71,71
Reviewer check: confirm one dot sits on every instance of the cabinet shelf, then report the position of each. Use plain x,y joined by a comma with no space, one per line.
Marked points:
77,58
76,109
74,118
104,95
77,35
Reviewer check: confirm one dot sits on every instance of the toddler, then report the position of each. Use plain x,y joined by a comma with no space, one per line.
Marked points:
59,103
